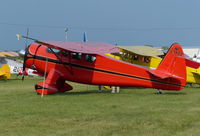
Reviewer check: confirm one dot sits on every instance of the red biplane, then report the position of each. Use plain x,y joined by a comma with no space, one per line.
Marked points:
87,62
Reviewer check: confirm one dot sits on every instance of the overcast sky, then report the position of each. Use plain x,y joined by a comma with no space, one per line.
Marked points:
125,22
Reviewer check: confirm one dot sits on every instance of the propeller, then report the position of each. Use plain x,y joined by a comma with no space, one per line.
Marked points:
25,56
41,43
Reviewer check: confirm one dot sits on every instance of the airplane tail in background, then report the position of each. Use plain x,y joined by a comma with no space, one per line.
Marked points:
85,37
5,71
173,65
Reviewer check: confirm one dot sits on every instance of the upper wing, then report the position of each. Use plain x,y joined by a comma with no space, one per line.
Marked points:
82,47
143,50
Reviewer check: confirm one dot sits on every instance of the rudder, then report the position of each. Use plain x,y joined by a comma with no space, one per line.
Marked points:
174,51
172,66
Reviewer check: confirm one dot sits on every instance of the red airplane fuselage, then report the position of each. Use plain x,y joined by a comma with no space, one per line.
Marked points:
91,69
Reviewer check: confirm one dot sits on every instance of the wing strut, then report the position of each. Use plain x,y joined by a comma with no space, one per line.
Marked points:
49,46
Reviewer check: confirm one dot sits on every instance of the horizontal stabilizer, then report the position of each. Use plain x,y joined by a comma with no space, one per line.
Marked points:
160,74
172,65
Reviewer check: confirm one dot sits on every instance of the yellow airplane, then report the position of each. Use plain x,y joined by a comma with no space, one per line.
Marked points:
5,72
151,57
193,72
146,56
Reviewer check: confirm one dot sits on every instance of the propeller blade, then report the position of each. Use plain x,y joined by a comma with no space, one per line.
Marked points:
25,56
24,64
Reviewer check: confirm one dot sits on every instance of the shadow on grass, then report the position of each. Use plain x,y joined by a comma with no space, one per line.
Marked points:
109,92
24,79
150,91
3,81
173,93
83,92
13,79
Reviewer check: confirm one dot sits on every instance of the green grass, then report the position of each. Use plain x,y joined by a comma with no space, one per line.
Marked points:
84,111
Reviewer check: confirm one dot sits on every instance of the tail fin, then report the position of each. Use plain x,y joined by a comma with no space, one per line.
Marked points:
6,70
85,37
173,65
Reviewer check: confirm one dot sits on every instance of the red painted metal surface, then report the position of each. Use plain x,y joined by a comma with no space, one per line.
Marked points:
82,47
104,70
192,64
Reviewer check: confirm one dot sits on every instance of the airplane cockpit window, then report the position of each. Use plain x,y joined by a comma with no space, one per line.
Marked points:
54,50
76,55
64,53
135,57
90,58
125,55
116,54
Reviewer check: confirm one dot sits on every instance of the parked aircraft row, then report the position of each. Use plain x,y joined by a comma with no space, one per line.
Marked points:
8,67
107,65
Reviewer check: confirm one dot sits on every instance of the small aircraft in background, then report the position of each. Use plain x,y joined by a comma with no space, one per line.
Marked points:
193,71
5,72
15,67
141,55
4,69
19,71
87,62
151,57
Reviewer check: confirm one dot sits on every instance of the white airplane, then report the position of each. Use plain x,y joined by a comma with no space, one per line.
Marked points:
17,68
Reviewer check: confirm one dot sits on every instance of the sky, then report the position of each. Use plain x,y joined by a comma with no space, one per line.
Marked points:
123,22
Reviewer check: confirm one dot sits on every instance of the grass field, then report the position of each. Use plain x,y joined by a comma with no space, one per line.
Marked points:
84,111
